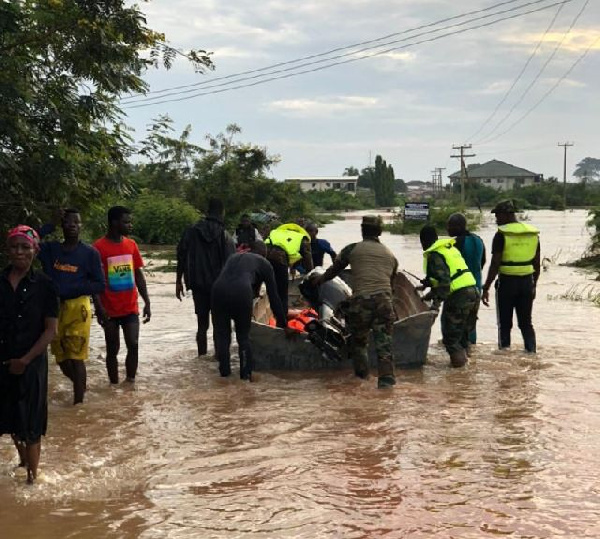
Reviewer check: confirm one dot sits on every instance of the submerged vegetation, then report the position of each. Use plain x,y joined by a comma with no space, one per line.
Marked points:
591,259
438,217
580,293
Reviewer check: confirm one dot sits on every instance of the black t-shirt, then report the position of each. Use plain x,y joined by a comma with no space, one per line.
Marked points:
498,243
23,312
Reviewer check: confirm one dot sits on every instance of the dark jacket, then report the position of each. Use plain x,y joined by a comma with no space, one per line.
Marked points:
202,252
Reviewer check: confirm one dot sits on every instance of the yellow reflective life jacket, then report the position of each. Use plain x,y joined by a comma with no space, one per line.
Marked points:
520,246
460,276
289,238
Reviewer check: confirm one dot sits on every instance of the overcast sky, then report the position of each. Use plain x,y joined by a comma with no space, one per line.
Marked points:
410,105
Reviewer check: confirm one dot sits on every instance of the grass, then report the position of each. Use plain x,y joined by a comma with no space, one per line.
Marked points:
588,293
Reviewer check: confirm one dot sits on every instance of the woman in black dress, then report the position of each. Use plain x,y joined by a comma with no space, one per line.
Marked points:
28,322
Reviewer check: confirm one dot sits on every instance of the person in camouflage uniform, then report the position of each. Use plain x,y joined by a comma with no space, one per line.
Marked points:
453,284
370,307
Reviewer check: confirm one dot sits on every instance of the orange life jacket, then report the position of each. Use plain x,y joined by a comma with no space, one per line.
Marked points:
297,320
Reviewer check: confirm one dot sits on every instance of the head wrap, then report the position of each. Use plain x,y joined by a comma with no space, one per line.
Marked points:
24,231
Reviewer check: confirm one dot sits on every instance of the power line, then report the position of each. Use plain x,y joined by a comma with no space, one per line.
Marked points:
518,77
319,55
207,85
547,94
152,101
538,75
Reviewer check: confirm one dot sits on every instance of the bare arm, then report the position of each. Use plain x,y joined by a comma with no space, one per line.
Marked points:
491,276
181,261
140,282
17,365
306,253
536,265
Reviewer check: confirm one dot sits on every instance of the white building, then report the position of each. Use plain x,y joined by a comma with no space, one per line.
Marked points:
499,175
347,184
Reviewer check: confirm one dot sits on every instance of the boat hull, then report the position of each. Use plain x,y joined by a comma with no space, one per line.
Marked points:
273,351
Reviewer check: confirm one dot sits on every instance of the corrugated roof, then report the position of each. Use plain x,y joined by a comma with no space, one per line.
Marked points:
495,169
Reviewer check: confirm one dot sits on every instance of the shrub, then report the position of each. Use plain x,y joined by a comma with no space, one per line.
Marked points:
158,219
438,217
557,203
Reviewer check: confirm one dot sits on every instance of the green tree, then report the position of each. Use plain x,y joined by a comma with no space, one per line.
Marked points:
400,186
365,178
171,159
236,173
383,182
63,66
588,169
351,171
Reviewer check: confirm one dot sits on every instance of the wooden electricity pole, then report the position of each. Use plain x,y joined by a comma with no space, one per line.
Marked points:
565,145
463,167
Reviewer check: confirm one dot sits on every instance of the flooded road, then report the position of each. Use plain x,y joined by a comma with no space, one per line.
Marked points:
507,446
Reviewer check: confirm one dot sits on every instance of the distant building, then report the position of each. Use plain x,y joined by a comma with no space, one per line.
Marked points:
347,184
499,175
417,190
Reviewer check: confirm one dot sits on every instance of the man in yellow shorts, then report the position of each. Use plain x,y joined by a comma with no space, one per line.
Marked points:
76,270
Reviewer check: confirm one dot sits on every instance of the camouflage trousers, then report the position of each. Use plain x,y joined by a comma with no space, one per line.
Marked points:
459,317
363,315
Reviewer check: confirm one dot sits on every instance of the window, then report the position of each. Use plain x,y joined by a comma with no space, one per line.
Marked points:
337,185
328,184
314,185
487,180
350,186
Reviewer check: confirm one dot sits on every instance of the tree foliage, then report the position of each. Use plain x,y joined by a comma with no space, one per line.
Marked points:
380,178
588,169
383,182
63,66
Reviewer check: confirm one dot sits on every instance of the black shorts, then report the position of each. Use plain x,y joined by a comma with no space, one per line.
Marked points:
126,320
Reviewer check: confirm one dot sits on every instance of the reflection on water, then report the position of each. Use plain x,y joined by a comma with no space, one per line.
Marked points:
506,446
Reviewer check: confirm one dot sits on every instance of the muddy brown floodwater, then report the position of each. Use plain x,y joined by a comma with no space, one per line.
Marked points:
508,445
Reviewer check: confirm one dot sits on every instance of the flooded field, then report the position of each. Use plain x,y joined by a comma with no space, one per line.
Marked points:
507,446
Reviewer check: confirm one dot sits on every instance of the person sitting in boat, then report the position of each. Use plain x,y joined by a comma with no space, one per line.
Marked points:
246,234
232,296
318,247
287,244
370,306
453,284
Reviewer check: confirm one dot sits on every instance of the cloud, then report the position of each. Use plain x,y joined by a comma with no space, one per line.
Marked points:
233,52
498,87
323,106
576,41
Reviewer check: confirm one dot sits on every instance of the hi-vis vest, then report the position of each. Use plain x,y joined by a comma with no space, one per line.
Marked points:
289,238
460,276
520,246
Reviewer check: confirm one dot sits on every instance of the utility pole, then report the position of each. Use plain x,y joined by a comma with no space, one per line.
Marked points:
439,177
463,167
436,180
565,145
